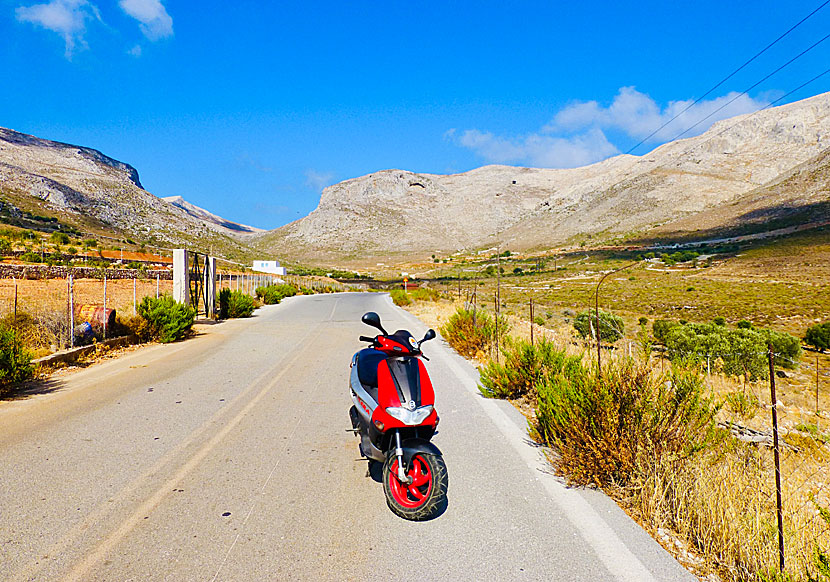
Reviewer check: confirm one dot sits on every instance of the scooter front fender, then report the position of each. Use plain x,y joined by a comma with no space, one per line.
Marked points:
412,447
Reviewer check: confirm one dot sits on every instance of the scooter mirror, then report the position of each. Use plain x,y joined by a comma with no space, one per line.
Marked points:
373,319
430,334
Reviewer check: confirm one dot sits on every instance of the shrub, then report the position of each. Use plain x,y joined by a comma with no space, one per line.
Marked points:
165,320
661,327
525,367
818,336
60,238
611,327
5,246
400,297
470,332
15,360
239,305
607,425
425,294
273,294
732,351
30,257
719,321
224,303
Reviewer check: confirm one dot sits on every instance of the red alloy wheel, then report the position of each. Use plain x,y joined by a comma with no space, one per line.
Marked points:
417,493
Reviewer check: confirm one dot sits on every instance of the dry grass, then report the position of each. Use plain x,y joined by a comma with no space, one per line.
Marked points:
721,503
47,302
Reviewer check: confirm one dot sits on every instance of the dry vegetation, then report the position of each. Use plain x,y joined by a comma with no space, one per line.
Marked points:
720,503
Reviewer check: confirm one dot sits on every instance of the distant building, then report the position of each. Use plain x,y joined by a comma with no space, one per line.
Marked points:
270,267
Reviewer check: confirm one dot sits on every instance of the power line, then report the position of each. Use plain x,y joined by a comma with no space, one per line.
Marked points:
798,56
729,76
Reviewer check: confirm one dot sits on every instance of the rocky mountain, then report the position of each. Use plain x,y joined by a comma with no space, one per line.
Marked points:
92,192
207,216
720,176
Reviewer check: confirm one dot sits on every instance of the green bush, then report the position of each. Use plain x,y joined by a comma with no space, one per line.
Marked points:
60,238
15,360
400,297
166,320
818,336
611,327
734,352
607,425
661,327
273,294
239,305
525,367
224,303
470,332
30,257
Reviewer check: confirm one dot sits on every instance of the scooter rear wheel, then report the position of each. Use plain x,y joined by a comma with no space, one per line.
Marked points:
426,496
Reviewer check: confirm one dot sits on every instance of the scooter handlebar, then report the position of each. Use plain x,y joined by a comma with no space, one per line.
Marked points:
363,338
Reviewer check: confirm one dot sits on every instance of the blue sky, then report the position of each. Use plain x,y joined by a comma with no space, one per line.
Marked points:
249,108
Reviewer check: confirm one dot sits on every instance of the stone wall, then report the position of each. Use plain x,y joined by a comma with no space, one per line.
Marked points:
46,272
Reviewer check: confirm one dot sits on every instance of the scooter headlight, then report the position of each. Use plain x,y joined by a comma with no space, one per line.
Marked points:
410,417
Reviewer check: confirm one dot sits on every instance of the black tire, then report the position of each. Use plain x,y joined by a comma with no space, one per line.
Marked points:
420,501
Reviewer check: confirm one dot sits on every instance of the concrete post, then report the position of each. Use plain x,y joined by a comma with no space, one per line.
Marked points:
181,277
210,287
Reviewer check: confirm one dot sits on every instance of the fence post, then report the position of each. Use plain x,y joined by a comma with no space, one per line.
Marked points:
776,452
71,312
531,321
133,295
496,310
105,306
158,282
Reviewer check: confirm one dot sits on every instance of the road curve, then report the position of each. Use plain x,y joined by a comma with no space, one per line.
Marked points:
226,457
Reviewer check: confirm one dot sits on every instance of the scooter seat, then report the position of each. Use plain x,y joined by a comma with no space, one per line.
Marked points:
368,361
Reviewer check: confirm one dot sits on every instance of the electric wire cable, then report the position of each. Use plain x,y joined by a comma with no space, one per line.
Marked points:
747,90
729,76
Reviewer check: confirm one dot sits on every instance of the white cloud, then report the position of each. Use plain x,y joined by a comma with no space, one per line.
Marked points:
318,180
135,51
66,17
156,23
638,115
540,150
576,136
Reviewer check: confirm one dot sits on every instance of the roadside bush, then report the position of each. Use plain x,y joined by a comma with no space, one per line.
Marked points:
425,294
525,367
224,303
273,294
400,297
611,327
239,305
15,360
818,336
165,320
470,332
606,426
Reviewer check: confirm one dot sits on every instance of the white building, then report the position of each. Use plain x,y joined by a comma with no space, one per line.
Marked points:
270,267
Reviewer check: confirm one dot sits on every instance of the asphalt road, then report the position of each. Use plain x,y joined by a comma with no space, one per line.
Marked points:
226,457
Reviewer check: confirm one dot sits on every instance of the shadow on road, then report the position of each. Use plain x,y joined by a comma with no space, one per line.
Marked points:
33,388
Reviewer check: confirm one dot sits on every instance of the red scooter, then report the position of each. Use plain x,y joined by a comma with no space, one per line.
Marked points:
394,414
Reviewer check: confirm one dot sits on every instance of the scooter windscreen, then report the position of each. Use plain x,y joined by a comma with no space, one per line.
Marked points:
406,375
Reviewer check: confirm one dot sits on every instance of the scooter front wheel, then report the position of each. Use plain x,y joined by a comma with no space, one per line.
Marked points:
425,496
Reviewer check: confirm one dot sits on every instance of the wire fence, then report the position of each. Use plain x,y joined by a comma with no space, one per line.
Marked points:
69,307
774,485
